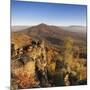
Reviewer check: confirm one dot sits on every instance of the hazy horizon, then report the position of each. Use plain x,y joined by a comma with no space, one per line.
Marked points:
66,28
49,25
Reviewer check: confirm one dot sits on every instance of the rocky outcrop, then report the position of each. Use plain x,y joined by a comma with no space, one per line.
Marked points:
31,59
37,64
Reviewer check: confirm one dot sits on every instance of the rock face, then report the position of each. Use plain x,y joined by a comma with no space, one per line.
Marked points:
31,59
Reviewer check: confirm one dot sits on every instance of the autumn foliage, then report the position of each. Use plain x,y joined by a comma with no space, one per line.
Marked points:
25,80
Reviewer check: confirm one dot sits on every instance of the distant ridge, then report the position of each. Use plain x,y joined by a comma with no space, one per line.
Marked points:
53,34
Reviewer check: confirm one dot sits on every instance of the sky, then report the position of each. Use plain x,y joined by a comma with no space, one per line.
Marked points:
33,13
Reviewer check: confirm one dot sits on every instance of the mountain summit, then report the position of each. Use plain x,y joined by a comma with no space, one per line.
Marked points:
42,24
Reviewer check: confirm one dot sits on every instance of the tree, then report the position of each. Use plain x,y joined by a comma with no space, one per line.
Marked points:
68,49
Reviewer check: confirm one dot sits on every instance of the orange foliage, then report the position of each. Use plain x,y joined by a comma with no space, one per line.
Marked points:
25,80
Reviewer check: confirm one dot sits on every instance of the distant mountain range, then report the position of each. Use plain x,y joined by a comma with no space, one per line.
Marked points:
72,28
81,29
18,28
53,34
